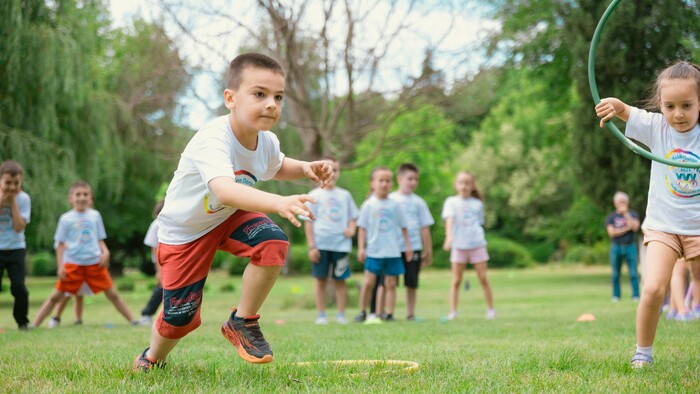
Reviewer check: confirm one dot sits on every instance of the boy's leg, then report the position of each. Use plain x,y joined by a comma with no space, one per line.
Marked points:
154,302
365,292
16,272
61,306
257,283
661,259
321,296
119,303
79,305
677,287
341,295
47,307
390,294
410,280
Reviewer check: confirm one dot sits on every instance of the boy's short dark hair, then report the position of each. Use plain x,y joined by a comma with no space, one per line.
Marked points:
11,167
405,167
78,184
254,60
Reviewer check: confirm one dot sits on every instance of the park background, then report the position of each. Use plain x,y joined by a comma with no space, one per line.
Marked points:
83,97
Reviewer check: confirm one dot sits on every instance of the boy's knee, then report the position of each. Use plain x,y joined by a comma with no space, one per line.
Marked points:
270,253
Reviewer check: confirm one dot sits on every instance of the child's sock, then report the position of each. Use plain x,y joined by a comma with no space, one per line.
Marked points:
647,351
235,317
322,314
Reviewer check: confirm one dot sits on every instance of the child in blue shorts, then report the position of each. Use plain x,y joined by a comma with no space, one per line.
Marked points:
381,226
329,238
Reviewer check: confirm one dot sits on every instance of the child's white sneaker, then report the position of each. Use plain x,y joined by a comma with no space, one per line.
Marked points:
340,319
54,322
452,315
490,314
322,320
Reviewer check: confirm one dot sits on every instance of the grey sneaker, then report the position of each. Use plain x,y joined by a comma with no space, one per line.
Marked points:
640,361
246,336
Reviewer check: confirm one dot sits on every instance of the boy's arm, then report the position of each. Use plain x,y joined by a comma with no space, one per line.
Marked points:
18,222
314,254
104,257
427,239
248,198
611,107
317,171
407,240
60,268
350,230
361,252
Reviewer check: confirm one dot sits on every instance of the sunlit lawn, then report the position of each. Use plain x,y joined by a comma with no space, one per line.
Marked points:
535,345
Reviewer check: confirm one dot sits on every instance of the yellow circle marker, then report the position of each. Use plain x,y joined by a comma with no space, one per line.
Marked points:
408,366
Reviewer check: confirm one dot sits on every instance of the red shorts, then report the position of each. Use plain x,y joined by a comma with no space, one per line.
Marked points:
184,268
96,277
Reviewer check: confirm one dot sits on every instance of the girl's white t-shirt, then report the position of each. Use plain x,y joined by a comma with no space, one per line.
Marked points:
468,221
674,192
9,238
190,209
334,209
383,221
417,216
81,232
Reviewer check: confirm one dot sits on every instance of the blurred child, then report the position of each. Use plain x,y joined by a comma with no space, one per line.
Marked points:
678,309
15,210
55,320
381,226
151,240
81,254
419,220
211,204
329,239
672,223
464,237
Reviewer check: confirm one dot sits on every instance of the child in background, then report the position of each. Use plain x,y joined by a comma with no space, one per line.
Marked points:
15,210
211,204
329,239
55,320
381,226
419,220
464,237
672,223
81,254
151,240
622,225
678,287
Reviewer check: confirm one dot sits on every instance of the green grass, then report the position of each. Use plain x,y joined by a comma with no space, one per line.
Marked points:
535,345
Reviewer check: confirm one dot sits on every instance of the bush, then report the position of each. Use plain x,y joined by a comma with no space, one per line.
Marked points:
542,252
43,264
596,254
506,253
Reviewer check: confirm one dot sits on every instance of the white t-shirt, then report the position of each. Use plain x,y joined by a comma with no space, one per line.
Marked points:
417,216
190,210
334,210
383,221
9,238
468,219
151,239
81,232
674,192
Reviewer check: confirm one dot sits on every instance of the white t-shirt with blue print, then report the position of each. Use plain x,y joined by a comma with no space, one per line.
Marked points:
417,216
383,221
9,238
468,221
81,232
334,210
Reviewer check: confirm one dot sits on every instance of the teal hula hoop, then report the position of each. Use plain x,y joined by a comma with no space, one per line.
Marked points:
596,98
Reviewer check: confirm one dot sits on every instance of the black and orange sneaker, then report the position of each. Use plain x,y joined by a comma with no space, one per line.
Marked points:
246,336
145,364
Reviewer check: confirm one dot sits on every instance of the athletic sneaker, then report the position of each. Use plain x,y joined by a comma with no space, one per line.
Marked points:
362,316
410,318
688,316
452,315
145,320
616,299
640,360
671,314
246,336
54,322
322,320
340,319
145,364
373,319
388,317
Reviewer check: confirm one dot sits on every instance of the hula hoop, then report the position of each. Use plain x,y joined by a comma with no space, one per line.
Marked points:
409,366
596,98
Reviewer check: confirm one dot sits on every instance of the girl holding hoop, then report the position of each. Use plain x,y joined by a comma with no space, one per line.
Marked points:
672,225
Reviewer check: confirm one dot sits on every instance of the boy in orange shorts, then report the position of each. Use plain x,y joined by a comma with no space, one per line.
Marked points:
211,204
81,254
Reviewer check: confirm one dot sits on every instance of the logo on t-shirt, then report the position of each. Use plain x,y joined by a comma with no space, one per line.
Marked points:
5,216
84,231
245,178
332,208
683,182
385,219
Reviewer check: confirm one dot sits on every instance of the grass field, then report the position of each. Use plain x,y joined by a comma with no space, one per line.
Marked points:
535,345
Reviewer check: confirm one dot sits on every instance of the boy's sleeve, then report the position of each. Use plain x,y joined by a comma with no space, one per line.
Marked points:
274,154
101,233
426,218
60,235
211,156
363,219
353,212
400,215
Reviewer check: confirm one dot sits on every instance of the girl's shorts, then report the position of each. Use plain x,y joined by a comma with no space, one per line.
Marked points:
97,278
687,246
474,256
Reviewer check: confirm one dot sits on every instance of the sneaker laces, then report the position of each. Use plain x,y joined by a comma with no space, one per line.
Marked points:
253,327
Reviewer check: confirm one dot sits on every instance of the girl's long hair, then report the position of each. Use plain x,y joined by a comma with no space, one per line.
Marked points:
476,192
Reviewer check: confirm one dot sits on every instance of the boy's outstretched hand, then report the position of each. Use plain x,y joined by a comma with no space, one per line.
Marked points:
319,171
290,206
